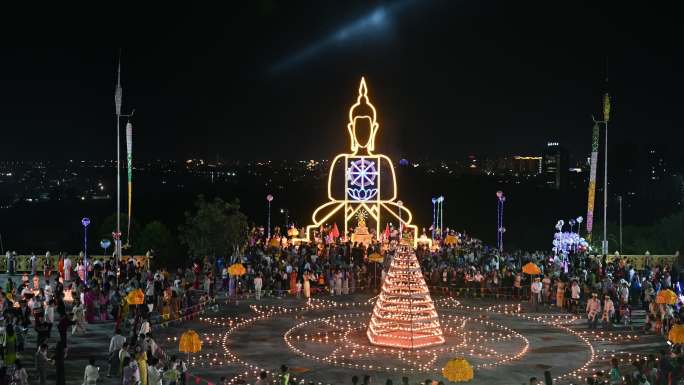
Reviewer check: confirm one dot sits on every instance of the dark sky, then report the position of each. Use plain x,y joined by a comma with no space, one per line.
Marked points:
274,80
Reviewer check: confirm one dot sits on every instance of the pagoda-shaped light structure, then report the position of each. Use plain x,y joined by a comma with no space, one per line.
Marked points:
404,315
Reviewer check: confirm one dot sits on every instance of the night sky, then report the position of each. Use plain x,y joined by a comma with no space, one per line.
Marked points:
274,80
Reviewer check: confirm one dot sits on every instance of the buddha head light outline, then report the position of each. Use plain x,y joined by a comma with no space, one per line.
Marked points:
362,116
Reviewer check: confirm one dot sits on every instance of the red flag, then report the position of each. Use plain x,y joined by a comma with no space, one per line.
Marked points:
387,231
335,233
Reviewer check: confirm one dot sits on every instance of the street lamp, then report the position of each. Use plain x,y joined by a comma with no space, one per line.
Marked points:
85,222
434,217
105,243
286,213
500,229
269,199
441,216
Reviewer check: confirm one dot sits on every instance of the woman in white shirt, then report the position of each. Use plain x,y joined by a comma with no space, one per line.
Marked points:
92,373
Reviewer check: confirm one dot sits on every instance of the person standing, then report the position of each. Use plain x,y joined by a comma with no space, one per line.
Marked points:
258,282
33,264
593,310
608,312
115,344
42,363
574,296
67,269
307,285
536,290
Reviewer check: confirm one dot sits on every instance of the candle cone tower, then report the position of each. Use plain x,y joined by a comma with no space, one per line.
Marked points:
404,315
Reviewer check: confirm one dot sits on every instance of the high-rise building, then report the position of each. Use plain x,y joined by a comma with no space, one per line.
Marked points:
555,165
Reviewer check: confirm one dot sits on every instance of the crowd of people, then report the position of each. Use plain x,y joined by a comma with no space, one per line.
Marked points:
72,295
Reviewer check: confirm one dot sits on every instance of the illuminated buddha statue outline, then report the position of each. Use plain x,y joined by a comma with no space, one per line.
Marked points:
367,183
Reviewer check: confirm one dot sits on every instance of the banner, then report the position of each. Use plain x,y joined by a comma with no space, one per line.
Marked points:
592,180
129,158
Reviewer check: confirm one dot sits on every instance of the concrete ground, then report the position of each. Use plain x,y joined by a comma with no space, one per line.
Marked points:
472,333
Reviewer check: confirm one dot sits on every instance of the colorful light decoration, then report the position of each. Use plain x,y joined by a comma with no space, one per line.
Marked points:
404,315
500,229
362,172
129,162
592,180
85,222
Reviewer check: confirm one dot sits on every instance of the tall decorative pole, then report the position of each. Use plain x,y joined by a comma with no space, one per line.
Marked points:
85,222
592,180
500,229
118,95
269,198
441,216
606,118
129,162
434,217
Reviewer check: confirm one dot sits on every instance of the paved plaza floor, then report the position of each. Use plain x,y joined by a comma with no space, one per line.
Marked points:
324,342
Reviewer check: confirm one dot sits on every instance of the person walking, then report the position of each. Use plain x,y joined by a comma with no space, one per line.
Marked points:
91,374
42,362
115,344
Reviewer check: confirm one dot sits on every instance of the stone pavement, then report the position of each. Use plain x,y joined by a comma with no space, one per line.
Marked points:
264,346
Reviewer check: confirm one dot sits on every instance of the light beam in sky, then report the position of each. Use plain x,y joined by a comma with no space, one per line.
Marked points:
374,22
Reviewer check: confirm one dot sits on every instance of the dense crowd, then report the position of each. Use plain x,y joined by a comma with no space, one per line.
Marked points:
72,295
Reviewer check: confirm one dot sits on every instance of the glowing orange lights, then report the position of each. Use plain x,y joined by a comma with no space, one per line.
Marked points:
404,315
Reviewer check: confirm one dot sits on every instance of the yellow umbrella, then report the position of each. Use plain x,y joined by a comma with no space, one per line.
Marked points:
136,297
451,240
458,370
190,342
531,269
676,334
375,257
667,297
237,269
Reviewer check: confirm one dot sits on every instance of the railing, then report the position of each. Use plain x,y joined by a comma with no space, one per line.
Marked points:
22,263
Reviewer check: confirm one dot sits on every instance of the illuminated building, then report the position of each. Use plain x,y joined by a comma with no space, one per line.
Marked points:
527,165
404,315
555,165
361,179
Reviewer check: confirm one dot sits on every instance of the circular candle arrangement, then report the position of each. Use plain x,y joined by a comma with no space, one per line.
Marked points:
326,333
